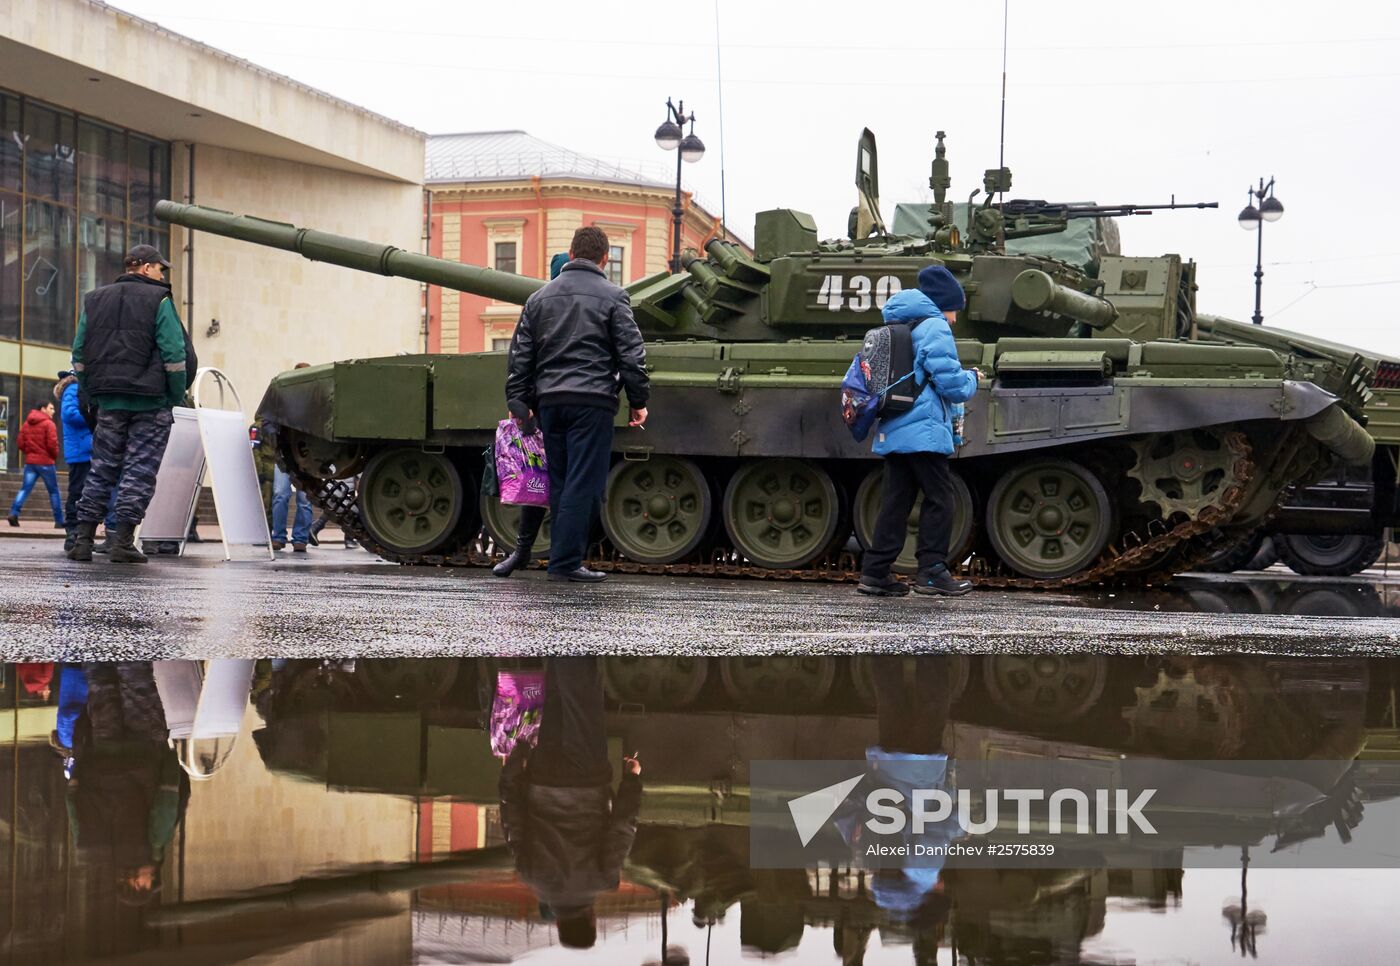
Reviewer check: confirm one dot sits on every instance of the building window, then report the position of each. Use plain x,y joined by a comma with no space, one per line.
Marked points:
500,345
505,257
74,195
617,258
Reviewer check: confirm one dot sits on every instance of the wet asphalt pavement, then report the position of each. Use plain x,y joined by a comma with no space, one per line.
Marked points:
347,603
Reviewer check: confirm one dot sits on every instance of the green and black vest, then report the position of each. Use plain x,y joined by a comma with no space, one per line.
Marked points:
120,354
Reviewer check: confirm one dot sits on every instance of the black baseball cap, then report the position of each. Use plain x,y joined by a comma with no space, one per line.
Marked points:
145,255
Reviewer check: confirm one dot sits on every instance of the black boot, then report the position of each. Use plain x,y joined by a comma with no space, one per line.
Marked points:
83,534
942,583
519,560
886,586
68,540
124,549
106,545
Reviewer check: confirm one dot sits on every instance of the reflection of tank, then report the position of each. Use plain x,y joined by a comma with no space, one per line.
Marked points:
1112,442
1226,708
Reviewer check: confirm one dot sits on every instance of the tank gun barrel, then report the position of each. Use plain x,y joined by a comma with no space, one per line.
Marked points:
355,253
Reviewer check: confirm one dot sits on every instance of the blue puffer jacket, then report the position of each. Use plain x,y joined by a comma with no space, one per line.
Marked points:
77,438
928,427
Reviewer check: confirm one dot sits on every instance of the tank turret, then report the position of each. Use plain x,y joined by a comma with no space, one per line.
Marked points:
1117,436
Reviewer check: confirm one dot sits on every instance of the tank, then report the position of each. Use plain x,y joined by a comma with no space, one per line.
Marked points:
1115,441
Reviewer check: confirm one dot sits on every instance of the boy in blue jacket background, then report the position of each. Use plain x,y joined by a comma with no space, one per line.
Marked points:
916,444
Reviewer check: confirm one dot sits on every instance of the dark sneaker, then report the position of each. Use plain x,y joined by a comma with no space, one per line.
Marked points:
580,576
886,586
14,520
313,539
298,548
942,583
279,545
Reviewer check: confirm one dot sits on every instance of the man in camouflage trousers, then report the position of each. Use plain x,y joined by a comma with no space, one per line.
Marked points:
131,355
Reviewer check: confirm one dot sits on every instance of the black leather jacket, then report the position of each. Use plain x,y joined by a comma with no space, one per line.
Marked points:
577,342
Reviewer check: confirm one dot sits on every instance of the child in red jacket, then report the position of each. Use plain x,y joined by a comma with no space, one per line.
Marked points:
38,442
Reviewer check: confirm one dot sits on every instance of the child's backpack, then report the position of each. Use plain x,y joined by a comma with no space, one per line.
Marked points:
880,380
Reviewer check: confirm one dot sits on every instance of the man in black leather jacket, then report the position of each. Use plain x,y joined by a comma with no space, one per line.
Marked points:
576,345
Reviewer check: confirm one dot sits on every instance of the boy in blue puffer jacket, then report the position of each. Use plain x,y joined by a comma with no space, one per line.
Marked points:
916,444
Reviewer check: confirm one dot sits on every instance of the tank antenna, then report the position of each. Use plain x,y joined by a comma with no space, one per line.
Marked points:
1001,151
719,82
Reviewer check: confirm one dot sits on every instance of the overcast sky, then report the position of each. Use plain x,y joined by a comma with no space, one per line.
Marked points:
1110,100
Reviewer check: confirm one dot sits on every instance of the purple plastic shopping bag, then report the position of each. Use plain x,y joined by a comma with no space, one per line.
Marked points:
515,711
520,468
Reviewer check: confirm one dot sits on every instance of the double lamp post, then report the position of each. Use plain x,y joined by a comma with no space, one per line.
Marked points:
671,137
1252,219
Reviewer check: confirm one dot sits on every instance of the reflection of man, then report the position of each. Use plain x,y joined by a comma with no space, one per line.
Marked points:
127,792
912,700
568,831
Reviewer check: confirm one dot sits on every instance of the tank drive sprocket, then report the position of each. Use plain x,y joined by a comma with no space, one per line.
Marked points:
1185,471
1198,712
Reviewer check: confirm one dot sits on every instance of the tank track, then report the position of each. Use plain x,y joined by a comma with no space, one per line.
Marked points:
337,499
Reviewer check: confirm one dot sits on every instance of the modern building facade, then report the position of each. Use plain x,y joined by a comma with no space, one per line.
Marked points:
511,201
102,114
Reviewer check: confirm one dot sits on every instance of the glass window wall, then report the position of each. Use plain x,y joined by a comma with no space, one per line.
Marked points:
75,193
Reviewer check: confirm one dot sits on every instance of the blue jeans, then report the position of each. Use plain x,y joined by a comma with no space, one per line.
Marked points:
281,496
578,449
32,474
72,699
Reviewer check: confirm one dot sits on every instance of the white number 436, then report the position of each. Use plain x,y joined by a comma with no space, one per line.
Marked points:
834,295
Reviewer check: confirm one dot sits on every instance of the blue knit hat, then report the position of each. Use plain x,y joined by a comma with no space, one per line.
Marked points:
938,284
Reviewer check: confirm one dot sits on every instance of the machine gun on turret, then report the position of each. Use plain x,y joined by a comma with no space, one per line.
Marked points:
1025,218
1023,208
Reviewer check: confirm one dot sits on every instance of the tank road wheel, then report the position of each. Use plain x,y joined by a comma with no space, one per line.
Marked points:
502,522
322,458
959,670
410,501
781,512
867,508
1049,518
778,684
657,510
1329,555
1187,471
1045,688
658,683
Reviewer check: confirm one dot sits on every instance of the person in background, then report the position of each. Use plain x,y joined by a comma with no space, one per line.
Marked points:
38,441
916,444
77,446
568,831
133,356
531,517
281,497
575,346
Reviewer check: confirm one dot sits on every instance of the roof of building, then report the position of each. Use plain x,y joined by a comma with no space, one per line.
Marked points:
248,65
501,155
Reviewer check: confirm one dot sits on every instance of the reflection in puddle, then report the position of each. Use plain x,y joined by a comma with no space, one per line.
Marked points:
357,811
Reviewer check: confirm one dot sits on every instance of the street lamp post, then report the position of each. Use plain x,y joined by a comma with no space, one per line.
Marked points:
1252,219
688,148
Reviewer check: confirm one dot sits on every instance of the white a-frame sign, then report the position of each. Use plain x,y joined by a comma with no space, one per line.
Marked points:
216,439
